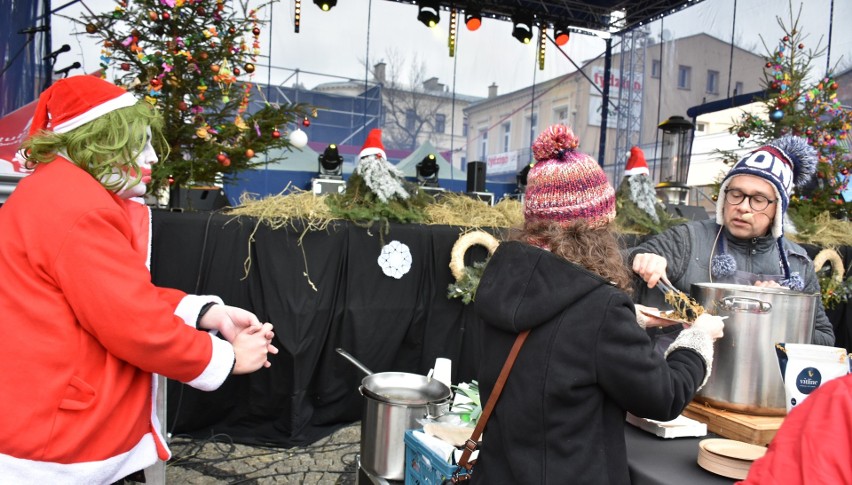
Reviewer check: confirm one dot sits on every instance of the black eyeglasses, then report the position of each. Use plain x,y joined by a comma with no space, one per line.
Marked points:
756,202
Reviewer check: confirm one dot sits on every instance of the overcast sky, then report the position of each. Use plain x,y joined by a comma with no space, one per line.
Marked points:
337,43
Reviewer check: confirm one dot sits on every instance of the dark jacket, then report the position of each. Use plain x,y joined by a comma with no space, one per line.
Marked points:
688,249
560,418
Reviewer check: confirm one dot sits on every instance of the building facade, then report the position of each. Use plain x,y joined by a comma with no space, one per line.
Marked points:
673,76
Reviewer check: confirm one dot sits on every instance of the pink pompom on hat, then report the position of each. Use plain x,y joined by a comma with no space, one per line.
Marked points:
636,164
373,145
72,102
566,185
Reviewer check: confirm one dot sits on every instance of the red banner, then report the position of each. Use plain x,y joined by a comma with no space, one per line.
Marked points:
13,130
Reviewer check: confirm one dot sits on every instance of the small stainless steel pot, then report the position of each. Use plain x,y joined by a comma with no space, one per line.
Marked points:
394,402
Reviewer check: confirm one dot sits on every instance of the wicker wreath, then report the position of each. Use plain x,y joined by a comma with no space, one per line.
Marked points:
461,246
831,256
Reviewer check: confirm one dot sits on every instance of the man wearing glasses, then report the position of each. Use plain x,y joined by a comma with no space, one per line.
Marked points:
745,243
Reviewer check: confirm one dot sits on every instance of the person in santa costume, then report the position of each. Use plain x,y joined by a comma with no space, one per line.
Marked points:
84,328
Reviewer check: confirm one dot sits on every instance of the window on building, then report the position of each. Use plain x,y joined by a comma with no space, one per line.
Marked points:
700,126
530,130
560,115
464,127
440,123
656,68
684,77
410,119
739,88
507,135
713,82
483,144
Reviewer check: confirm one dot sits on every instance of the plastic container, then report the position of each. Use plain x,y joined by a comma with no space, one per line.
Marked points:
424,467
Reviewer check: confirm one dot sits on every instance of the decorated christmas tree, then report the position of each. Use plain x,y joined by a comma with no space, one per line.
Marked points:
807,106
194,60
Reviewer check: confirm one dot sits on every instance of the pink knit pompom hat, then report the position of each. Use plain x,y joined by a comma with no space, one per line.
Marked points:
566,185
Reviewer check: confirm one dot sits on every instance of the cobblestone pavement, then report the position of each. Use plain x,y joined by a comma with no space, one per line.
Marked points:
329,461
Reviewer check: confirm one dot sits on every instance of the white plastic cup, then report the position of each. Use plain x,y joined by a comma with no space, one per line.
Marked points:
443,371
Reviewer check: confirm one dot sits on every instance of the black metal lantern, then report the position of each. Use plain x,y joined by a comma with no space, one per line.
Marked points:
674,159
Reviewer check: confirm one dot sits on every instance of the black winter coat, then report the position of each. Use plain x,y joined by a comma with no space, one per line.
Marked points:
561,417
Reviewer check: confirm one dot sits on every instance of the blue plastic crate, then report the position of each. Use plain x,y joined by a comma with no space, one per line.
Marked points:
423,466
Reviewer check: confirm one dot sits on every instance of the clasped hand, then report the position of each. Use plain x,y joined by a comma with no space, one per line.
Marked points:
252,340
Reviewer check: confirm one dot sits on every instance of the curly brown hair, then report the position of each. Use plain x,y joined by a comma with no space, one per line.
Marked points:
595,249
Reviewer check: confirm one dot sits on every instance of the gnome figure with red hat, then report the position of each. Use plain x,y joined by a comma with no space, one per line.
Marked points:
85,329
381,176
638,207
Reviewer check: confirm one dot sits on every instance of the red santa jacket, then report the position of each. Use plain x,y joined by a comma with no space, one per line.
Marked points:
84,329
814,444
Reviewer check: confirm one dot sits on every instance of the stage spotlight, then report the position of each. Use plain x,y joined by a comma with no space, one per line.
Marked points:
429,13
521,178
331,163
427,171
325,5
561,36
522,29
472,19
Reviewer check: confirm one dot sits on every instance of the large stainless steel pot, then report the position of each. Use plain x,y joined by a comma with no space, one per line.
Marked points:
745,375
394,402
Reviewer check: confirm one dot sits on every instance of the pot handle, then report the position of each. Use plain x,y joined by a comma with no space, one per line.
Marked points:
741,304
355,361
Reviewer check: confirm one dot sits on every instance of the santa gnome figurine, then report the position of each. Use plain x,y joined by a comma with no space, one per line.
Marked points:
381,176
640,187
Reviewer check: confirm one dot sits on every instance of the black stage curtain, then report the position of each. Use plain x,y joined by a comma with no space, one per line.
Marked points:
324,293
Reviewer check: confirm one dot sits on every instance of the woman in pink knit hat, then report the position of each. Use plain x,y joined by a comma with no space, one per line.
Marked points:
586,361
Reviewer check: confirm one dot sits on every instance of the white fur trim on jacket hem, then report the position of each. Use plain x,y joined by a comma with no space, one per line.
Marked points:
19,470
219,368
698,341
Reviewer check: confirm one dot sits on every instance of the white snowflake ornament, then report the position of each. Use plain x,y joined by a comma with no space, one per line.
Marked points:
395,259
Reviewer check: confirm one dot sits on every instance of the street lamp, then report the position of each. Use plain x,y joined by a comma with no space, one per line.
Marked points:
675,154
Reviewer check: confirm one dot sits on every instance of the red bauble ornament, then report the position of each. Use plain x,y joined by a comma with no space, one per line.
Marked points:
774,85
232,30
833,86
276,134
768,65
214,68
171,180
221,158
786,38
236,71
153,16
226,162
91,28
249,153
156,83
801,46
183,106
845,171
166,16
200,11
306,122
203,55
255,31
125,66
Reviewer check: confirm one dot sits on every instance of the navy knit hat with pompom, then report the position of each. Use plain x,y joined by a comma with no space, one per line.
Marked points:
786,163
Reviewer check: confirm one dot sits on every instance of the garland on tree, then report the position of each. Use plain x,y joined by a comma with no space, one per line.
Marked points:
194,60
794,105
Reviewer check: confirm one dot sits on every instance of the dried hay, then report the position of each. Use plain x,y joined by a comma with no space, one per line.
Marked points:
285,209
461,210
825,231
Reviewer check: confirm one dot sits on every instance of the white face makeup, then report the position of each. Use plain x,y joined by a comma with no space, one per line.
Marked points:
145,160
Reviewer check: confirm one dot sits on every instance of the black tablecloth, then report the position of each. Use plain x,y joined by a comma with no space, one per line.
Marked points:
659,461
327,292
324,293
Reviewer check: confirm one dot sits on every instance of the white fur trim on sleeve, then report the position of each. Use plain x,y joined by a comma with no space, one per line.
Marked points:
219,367
698,341
190,306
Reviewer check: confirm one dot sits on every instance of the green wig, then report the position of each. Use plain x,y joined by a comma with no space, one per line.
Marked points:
103,146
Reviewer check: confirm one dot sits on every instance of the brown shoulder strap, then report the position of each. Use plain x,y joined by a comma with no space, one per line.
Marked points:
471,444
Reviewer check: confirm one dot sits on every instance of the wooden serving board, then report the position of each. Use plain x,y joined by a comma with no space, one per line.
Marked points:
757,430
